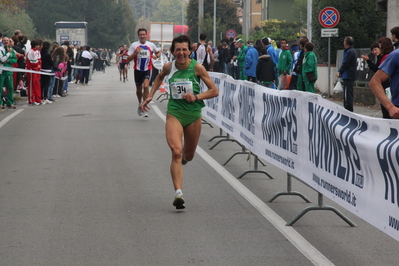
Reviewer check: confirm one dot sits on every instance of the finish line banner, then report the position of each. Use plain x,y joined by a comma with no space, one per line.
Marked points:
350,158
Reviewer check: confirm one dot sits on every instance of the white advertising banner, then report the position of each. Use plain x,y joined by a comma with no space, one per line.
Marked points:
349,158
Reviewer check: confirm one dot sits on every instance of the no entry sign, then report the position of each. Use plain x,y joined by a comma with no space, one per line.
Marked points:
329,17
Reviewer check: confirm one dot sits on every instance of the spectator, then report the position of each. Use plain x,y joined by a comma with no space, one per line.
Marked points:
85,59
70,62
300,85
250,62
385,47
258,46
265,69
241,58
47,64
285,60
210,43
7,58
294,76
389,69
21,49
231,64
60,60
347,72
33,62
309,68
270,50
395,36
224,58
216,66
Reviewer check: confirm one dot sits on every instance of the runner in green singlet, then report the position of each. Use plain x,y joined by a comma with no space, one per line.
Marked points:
184,108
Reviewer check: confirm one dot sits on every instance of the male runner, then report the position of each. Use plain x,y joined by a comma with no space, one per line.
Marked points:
142,52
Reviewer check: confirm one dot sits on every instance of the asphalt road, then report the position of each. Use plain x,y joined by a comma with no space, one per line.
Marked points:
85,181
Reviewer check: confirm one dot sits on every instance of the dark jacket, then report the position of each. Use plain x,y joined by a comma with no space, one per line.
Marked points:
224,55
265,69
47,62
349,64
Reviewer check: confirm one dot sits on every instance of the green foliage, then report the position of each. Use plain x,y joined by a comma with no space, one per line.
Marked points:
226,12
11,21
277,30
359,20
109,24
169,11
207,26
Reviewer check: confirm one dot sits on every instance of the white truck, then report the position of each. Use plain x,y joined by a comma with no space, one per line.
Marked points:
74,32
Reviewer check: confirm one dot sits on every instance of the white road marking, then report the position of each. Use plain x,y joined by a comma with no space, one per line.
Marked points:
300,243
8,118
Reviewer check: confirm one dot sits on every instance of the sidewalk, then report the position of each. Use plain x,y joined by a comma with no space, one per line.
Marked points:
373,111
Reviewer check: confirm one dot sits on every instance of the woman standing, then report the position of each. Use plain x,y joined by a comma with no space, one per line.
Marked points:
184,108
309,67
47,64
385,47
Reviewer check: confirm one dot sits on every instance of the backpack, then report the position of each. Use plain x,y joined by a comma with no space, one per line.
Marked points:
202,56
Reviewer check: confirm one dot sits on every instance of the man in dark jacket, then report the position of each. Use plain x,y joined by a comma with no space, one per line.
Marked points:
347,72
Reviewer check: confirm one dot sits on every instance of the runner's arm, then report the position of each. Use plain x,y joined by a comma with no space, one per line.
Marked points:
379,92
212,91
157,82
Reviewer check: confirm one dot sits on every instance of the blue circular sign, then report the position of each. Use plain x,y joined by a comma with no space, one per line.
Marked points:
231,34
329,17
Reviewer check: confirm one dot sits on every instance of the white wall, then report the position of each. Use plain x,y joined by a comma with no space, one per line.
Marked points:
322,81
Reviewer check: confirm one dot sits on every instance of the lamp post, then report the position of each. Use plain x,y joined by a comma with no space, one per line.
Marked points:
200,15
309,20
214,23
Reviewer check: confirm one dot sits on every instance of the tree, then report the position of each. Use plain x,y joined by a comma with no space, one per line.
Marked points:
359,20
299,12
277,30
226,11
12,19
169,11
110,24
143,8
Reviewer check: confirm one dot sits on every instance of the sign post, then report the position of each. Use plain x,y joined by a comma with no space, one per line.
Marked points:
329,18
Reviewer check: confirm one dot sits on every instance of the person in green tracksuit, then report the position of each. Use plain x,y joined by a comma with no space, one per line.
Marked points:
241,57
309,68
284,61
7,58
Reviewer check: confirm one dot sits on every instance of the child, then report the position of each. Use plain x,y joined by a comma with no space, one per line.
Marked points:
60,61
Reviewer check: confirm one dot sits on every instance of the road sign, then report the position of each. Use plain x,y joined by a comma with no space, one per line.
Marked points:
329,17
231,34
329,32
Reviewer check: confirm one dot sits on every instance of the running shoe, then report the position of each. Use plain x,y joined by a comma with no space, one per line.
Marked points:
179,202
145,114
139,111
184,161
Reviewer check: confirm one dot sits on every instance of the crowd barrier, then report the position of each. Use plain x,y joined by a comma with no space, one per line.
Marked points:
351,159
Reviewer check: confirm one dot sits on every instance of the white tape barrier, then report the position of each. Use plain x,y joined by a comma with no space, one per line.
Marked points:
13,69
80,67
349,158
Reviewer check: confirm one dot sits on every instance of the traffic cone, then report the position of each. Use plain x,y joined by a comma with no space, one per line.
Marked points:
162,88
